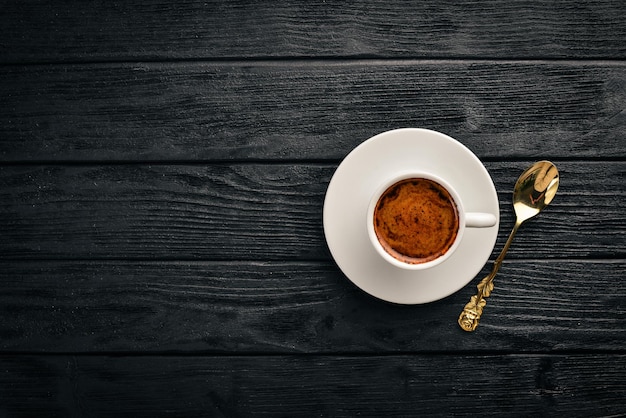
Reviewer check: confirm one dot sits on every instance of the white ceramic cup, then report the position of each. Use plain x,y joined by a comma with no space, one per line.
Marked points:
466,220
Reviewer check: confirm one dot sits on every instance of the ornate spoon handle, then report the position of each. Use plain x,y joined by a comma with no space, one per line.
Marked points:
470,317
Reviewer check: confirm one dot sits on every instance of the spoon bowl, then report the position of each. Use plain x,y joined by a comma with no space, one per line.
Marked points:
535,189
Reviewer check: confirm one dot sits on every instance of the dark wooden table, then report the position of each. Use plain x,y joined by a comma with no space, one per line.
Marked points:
163,167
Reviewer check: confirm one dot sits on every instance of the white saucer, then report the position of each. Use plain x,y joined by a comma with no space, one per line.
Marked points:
357,178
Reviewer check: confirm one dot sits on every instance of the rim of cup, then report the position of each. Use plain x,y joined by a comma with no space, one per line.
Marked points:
374,238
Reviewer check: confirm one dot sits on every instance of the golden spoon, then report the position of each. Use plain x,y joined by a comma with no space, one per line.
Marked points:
534,190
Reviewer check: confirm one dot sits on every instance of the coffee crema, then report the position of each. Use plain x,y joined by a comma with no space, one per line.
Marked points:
416,220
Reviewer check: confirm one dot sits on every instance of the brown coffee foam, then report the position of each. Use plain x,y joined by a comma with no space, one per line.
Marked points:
416,220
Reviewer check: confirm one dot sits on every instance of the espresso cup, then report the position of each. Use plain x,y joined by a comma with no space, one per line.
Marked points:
416,220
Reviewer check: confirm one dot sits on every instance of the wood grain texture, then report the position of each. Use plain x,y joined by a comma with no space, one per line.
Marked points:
162,174
160,30
538,385
259,212
279,307
307,110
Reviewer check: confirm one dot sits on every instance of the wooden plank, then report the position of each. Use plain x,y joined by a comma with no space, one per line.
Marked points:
495,386
258,212
247,110
157,30
278,307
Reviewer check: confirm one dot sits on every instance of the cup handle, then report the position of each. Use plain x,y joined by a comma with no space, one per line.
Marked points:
479,220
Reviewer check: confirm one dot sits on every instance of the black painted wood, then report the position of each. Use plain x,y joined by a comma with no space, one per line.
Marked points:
162,173
159,30
259,212
278,307
307,110
511,385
